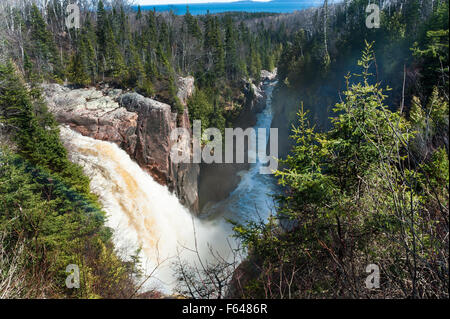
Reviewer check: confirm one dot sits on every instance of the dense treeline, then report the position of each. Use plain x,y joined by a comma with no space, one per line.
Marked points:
142,50
314,63
370,185
49,219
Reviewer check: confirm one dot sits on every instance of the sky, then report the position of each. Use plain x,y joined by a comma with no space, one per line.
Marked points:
155,2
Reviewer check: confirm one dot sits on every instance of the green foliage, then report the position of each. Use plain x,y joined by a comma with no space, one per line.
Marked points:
203,106
420,25
144,50
76,72
42,46
46,206
431,50
353,197
200,108
37,138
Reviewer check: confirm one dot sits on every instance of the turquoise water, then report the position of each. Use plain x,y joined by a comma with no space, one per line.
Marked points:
246,6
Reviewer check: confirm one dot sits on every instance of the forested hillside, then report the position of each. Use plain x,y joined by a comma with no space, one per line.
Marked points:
366,179
141,50
49,219
410,47
363,121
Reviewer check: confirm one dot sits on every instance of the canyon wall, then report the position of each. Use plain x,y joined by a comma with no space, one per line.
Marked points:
142,127
218,180
139,125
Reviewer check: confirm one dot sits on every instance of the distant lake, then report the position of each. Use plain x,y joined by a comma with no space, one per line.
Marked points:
246,6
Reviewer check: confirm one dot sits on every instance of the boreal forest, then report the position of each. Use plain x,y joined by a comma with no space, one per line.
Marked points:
362,115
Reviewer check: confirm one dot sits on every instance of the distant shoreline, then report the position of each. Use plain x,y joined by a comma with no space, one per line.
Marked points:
239,6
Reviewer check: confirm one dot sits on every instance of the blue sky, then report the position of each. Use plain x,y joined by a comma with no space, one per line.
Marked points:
154,2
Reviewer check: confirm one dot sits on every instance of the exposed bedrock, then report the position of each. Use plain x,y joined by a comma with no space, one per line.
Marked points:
139,125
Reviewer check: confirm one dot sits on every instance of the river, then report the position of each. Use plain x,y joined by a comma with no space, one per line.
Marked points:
144,214
252,199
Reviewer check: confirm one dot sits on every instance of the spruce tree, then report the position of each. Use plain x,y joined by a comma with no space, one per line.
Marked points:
77,73
42,46
231,61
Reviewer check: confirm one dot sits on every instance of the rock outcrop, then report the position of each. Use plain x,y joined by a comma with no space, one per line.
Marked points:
139,125
268,76
255,101
185,88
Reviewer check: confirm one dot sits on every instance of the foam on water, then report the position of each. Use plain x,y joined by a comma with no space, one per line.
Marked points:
142,212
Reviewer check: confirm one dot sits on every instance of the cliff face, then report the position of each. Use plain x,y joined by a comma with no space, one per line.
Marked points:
217,181
255,99
141,126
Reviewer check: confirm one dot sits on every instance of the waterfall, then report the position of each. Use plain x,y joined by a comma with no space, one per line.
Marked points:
143,213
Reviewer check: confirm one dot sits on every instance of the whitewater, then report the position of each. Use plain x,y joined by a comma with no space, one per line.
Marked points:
144,214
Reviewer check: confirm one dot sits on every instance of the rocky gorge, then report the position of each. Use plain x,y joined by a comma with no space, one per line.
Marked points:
142,127
218,180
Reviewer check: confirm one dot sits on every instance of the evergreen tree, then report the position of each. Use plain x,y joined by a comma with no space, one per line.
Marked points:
231,60
200,108
87,48
101,31
136,72
77,72
42,46
138,14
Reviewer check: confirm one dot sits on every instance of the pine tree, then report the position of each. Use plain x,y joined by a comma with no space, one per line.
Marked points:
117,68
254,62
219,56
77,73
136,72
87,47
113,62
192,24
138,14
231,60
214,50
200,108
27,66
102,25
37,141
42,46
